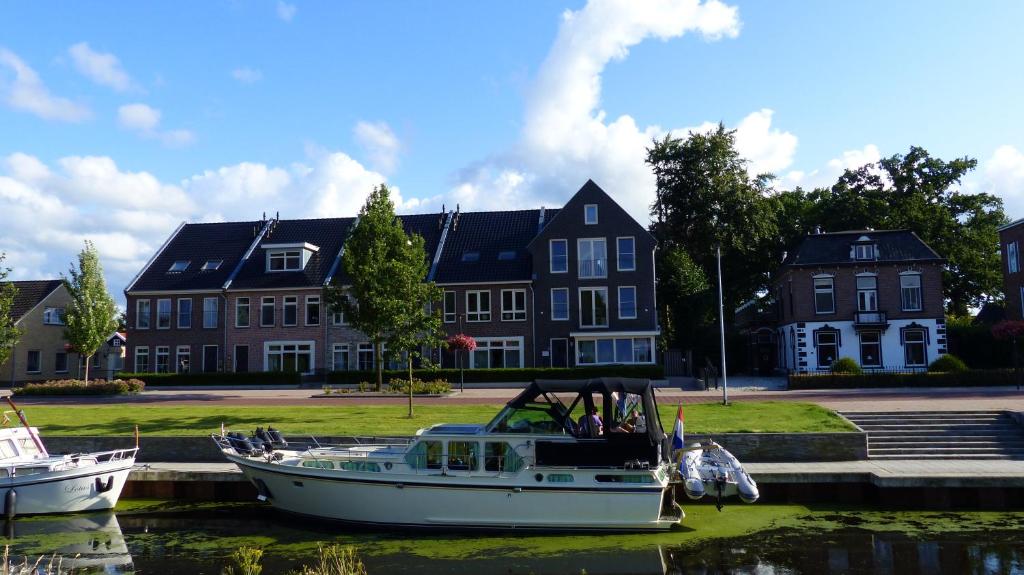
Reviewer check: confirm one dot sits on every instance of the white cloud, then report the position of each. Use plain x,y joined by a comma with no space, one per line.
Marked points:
22,89
285,11
145,121
829,174
1003,175
100,67
247,75
380,144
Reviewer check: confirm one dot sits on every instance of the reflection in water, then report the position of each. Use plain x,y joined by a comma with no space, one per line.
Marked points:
172,541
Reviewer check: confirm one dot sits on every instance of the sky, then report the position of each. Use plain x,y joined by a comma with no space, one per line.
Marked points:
120,120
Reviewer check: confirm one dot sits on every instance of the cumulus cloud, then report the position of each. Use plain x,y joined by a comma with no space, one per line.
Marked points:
829,174
380,144
1002,174
247,75
22,89
100,67
285,11
145,121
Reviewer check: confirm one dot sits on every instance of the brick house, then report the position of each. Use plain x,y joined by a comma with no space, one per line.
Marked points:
874,296
253,291
1011,241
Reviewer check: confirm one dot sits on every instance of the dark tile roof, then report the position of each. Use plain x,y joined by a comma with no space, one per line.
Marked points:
489,234
197,243
30,293
328,234
834,248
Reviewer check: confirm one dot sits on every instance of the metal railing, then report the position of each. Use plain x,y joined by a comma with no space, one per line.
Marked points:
869,318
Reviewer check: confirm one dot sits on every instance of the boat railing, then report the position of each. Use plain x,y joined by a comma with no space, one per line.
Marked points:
115,455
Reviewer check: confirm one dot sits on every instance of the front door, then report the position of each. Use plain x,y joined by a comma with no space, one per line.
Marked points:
559,353
209,358
241,358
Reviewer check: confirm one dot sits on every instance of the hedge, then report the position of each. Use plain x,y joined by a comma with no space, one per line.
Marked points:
502,375
968,378
80,387
226,378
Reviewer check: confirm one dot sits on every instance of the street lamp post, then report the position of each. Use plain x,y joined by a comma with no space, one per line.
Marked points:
721,326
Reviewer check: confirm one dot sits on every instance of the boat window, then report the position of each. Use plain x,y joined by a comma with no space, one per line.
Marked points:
7,449
500,456
425,455
624,478
560,478
462,455
318,463
359,466
541,418
31,470
28,447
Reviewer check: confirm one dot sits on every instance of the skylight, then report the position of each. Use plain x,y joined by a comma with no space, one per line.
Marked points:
470,256
212,265
507,255
179,266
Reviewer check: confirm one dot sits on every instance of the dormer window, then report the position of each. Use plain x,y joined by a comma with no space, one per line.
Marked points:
864,249
470,256
288,257
211,265
179,266
590,214
506,255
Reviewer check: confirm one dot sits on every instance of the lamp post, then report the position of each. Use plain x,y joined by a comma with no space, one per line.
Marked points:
721,326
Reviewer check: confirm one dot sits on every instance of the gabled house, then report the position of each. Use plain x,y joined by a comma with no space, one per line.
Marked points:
872,295
1011,241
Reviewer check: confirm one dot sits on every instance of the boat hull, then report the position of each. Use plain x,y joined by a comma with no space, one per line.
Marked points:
89,488
455,502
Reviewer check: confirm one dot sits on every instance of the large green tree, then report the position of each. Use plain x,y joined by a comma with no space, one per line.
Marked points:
387,270
9,332
91,317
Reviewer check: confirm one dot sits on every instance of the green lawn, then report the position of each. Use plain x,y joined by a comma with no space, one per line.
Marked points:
391,420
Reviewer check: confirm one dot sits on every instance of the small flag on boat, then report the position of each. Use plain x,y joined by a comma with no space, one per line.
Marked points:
677,431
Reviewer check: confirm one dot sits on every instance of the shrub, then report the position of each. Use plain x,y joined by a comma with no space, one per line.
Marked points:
846,365
80,387
504,374
967,378
225,378
947,363
419,387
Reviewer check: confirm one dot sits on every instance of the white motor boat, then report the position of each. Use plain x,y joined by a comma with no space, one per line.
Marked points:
33,481
532,467
708,469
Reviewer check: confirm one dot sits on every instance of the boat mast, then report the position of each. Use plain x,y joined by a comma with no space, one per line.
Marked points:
32,434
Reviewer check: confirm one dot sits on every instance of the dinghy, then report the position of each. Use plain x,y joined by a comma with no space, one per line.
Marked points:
708,469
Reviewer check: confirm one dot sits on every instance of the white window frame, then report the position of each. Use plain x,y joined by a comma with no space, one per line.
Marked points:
869,301
56,365
515,314
312,353
216,313
312,299
485,344
924,347
284,256
182,351
139,315
818,345
338,315
864,252
189,316
292,301
568,305
211,265
615,350
551,256
157,354
53,316
919,288
586,214
362,348
1012,257
579,258
480,314
618,254
450,315
877,334
831,291
170,313
272,300
183,267
141,350
593,306
341,348
619,302
248,311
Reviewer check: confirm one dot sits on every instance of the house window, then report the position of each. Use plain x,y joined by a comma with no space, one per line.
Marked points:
242,312
209,312
163,314
60,362
614,350
594,307
914,350
211,265
559,304
478,306
338,313
590,214
449,307
183,359
364,356
32,362
864,251
185,313
870,349
867,293
312,310
339,357
559,252
289,356
163,358
284,260
497,353
824,302
626,254
627,302
142,314
827,343
142,359
910,291
267,311
593,258
1012,261
290,309
513,305
179,266
53,316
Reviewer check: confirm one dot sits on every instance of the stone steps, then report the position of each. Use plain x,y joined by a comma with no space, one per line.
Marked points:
941,434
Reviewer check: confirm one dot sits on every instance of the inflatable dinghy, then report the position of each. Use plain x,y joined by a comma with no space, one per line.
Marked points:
707,469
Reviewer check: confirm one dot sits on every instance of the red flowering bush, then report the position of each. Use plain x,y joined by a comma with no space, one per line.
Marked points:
1008,329
461,341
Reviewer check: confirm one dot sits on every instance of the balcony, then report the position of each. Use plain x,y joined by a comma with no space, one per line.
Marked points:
593,268
870,319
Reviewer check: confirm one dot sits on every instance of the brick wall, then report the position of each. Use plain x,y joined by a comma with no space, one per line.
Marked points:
496,327
1012,282
256,335
195,337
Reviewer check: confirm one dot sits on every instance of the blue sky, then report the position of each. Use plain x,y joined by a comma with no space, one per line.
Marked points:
119,120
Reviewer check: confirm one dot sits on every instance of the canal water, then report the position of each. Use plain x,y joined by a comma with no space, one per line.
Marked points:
161,537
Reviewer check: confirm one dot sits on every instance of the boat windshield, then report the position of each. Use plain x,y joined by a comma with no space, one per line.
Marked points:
537,417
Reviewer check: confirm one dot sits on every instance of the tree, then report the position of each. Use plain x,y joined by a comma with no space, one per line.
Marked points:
386,269
91,317
9,333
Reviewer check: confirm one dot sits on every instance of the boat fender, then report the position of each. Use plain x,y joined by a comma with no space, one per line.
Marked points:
10,504
101,488
262,491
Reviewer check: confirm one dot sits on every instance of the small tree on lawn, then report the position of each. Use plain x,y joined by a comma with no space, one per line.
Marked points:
9,333
91,316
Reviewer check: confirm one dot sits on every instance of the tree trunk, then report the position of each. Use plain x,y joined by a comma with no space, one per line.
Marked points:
378,350
86,369
410,385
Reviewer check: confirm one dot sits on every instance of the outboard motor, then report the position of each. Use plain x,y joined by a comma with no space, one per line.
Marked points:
276,438
257,443
240,442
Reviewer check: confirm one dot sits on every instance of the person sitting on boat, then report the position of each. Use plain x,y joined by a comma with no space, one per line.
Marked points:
591,425
639,423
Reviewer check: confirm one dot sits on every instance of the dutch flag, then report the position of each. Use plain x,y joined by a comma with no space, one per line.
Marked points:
677,431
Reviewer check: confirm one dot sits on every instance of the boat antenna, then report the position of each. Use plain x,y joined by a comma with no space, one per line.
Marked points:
32,434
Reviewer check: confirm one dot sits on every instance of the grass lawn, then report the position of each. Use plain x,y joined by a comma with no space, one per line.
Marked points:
391,420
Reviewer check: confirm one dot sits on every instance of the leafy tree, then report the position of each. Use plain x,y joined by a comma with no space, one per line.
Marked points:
9,333
91,316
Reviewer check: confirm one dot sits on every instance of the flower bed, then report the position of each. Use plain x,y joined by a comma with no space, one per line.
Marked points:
199,379
80,387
